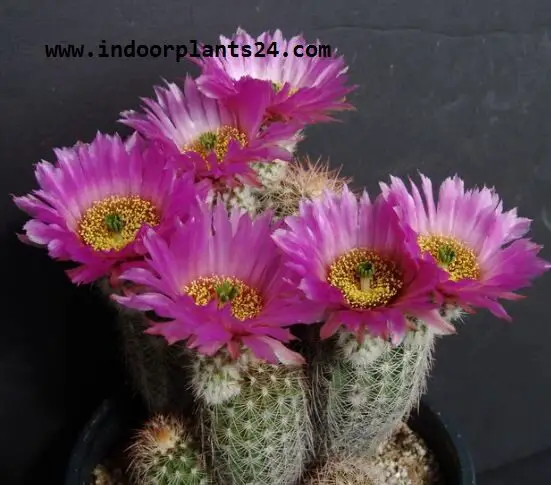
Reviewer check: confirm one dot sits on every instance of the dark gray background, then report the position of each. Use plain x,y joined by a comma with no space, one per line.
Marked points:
446,86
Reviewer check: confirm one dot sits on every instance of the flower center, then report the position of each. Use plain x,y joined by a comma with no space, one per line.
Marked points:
365,279
165,438
216,141
452,255
245,301
112,223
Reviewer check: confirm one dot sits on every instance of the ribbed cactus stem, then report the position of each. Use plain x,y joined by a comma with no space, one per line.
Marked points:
346,471
163,453
254,419
149,361
371,387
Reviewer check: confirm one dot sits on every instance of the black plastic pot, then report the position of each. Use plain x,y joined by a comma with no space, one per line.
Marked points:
451,453
116,419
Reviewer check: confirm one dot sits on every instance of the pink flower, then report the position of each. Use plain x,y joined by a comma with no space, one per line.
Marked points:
213,139
220,282
307,88
94,203
354,258
470,236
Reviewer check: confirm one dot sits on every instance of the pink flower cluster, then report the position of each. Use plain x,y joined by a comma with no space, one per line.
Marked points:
140,211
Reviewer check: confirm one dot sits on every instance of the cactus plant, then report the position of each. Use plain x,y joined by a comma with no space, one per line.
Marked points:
147,360
209,296
156,372
371,387
254,419
164,453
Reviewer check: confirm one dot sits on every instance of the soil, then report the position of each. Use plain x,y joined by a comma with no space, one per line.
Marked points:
406,460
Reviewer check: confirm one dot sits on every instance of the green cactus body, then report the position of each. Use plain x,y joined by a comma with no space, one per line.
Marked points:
156,370
254,419
164,454
146,359
371,387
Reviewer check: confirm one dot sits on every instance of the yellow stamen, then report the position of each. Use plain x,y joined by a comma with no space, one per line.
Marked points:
245,301
279,86
366,279
113,222
216,141
452,255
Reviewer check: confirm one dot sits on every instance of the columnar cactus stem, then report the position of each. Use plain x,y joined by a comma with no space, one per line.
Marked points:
164,454
371,387
254,418
147,359
156,371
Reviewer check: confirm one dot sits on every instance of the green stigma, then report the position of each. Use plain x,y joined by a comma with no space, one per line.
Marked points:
114,222
276,86
208,140
446,255
226,291
365,270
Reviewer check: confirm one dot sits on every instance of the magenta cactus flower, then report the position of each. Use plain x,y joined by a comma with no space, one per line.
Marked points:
220,282
215,140
95,201
354,258
468,234
307,88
